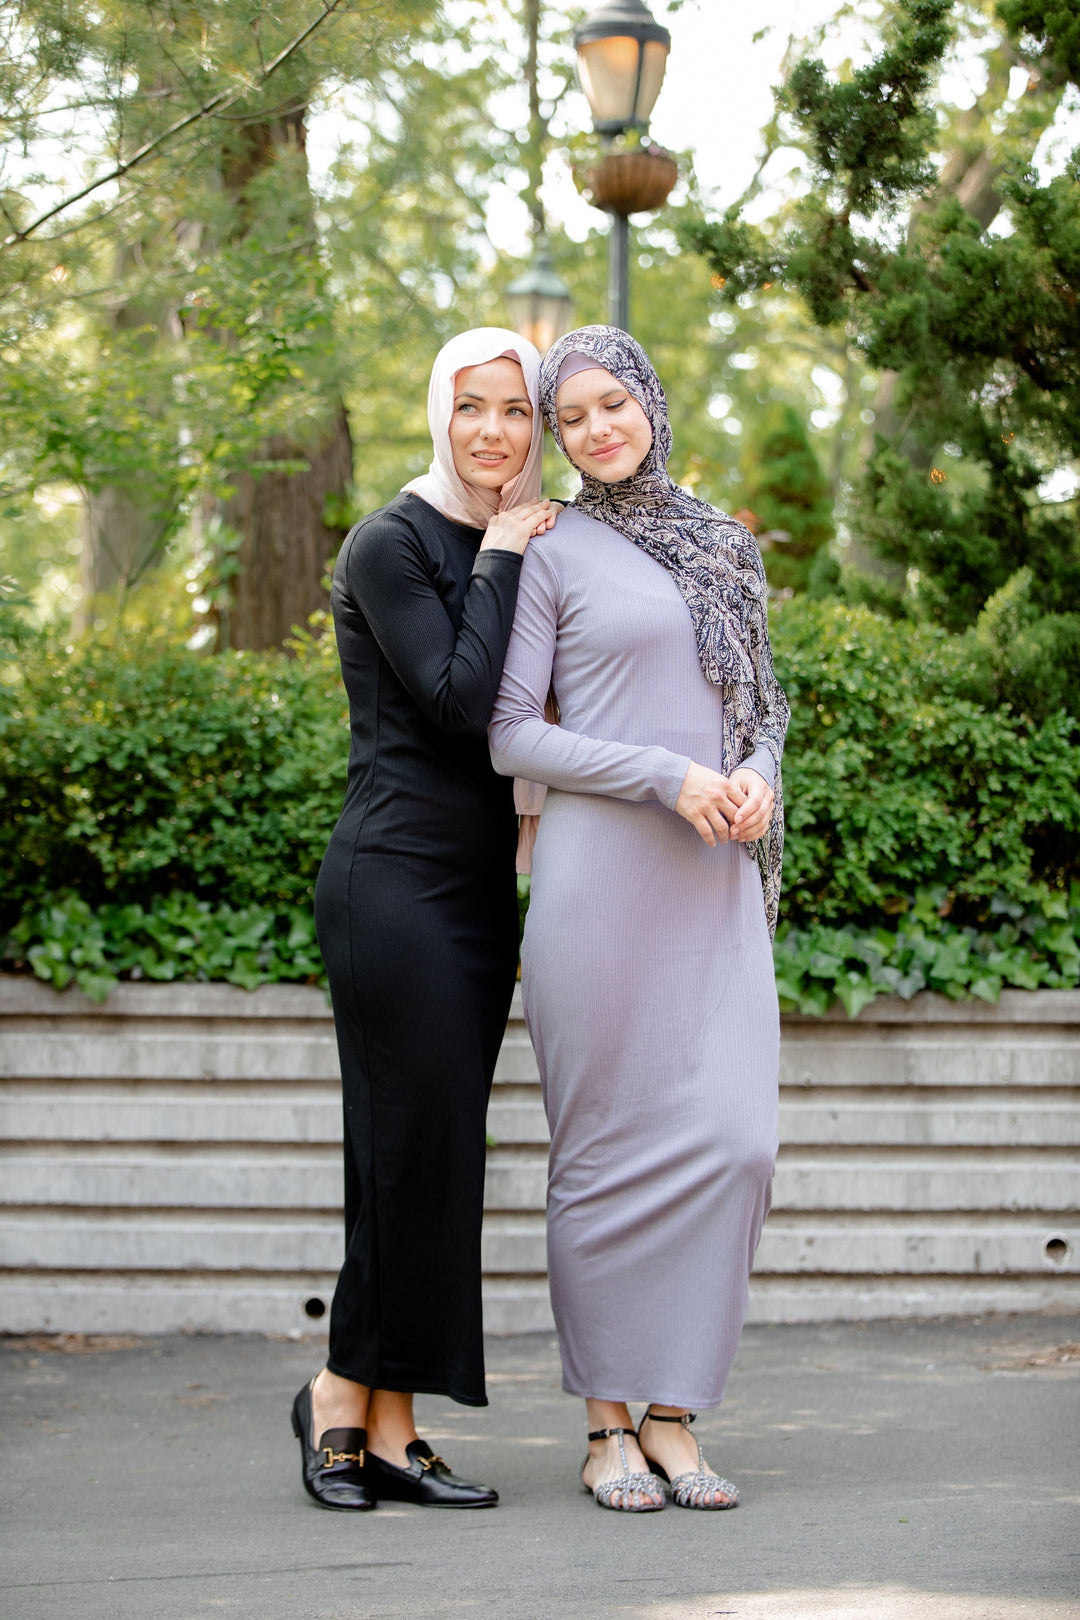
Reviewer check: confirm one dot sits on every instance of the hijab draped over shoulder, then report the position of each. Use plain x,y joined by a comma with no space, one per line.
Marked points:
714,561
442,485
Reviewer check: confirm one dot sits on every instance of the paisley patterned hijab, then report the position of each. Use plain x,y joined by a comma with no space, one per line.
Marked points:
715,562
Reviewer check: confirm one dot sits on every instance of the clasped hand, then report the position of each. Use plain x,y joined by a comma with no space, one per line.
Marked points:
726,809
513,529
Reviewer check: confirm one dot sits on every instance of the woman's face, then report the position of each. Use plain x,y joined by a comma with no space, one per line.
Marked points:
604,430
491,424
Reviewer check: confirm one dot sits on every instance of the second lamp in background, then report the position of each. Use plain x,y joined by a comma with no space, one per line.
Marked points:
540,305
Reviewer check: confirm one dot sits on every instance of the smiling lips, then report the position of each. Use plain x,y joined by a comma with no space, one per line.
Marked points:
607,451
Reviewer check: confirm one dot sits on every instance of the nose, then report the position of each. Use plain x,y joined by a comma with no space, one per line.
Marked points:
491,426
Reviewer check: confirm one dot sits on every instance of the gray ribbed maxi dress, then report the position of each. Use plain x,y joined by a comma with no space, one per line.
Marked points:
647,977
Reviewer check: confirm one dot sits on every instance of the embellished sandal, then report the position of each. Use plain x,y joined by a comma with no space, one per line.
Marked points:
624,1482
692,1488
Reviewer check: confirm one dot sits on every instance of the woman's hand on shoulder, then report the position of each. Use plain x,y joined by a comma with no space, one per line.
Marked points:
754,814
513,529
708,803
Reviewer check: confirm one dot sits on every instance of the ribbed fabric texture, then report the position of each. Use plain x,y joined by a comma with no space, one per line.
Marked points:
647,977
416,910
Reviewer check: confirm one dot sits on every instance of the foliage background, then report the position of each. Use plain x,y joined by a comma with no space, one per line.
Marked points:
157,339
880,370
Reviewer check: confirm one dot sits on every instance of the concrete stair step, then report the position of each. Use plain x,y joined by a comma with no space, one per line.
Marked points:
73,1303
516,1245
143,1111
287,1178
173,1160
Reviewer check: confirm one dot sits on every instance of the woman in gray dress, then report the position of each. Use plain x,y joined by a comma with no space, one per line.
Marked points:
646,964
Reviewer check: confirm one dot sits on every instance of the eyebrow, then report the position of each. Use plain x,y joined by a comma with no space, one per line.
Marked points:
513,399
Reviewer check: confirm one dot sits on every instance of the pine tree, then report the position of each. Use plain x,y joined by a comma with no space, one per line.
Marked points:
788,494
977,335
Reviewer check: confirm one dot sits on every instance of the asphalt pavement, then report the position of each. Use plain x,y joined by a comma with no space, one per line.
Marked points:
889,1471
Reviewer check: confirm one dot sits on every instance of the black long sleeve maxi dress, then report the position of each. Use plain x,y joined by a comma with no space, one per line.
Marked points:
416,911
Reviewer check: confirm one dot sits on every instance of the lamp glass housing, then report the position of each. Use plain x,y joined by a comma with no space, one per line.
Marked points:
608,70
653,66
540,305
541,320
621,78
621,53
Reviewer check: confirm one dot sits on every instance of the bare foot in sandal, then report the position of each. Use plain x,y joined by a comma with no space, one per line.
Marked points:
676,1456
614,1470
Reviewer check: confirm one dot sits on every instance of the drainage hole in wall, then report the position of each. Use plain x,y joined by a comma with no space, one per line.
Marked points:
1056,1249
315,1307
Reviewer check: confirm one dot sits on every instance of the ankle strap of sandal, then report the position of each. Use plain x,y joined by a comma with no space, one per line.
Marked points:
607,1434
686,1419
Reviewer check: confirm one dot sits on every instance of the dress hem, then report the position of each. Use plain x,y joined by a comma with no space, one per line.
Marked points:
701,1404
404,1386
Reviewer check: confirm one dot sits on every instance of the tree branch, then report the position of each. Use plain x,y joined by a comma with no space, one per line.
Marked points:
224,98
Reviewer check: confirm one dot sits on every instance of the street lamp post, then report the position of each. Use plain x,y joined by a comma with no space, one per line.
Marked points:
618,271
622,53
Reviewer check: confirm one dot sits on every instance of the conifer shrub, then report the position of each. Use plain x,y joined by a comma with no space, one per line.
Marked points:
789,494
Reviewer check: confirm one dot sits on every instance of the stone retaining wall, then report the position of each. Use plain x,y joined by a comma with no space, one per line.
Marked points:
171,1160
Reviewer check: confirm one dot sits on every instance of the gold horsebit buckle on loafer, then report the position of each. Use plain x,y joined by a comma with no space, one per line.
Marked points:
333,1456
429,1462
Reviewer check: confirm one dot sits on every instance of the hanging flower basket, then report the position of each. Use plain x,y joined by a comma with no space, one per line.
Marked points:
632,182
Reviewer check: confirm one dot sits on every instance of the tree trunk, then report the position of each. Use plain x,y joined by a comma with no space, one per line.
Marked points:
125,526
122,534
287,542
534,147
289,522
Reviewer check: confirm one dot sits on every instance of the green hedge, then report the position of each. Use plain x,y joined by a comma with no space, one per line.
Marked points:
897,782
174,937
163,813
135,770
923,951
179,937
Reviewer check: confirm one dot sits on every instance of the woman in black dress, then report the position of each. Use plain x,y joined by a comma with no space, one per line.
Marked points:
416,910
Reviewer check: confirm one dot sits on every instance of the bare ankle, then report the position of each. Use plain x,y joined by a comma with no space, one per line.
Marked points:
391,1427
607,1415
338,1403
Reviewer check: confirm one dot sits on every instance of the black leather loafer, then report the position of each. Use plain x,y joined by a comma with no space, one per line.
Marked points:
334,1470
427,1481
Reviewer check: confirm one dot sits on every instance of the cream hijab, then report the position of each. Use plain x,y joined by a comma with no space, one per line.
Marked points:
442,485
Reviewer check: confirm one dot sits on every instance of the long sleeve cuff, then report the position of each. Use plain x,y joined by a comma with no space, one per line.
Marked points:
761,760
671,778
